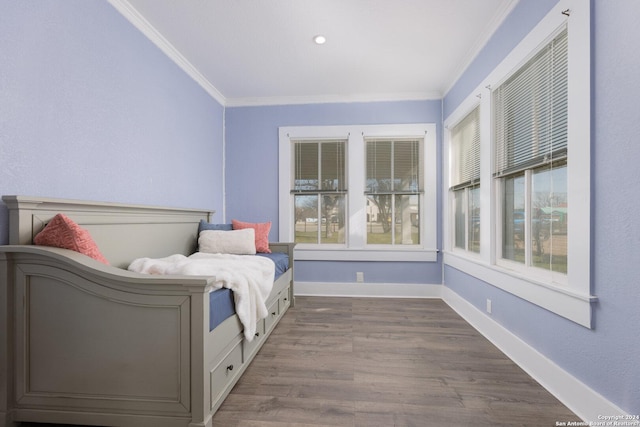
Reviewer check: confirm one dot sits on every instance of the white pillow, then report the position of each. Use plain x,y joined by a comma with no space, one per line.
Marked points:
237,242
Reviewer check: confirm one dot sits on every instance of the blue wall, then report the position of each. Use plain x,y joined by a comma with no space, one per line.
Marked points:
252,174
607,357
91,109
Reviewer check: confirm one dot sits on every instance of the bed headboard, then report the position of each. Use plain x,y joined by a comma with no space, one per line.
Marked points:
122,232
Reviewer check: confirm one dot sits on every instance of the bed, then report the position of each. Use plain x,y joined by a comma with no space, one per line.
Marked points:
86,343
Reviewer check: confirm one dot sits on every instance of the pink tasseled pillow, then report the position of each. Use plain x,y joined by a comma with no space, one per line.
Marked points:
262,233
63,232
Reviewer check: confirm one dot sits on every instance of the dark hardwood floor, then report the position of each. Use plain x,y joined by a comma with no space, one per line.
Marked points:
383,362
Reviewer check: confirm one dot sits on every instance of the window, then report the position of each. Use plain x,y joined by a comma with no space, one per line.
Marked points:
365,193
319,190
465,181
393,186
535,169
530,111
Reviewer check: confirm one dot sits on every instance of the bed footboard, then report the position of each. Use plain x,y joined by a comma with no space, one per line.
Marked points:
131,360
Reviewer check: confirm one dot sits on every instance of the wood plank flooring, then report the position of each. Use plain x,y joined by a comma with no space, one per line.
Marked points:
383,362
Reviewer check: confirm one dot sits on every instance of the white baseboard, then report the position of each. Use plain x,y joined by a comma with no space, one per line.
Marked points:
575,395
386,290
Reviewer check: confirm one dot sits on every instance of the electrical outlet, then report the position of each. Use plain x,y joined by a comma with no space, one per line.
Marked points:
488,306
360,277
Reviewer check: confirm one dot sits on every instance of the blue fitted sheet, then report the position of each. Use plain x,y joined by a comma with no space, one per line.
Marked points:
280,260
221,303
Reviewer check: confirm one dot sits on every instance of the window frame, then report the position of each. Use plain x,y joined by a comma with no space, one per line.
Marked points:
468,218
465,187
573,299
547,276
393,192
319,192
355,247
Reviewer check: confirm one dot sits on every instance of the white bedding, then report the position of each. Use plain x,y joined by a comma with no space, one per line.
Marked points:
249,277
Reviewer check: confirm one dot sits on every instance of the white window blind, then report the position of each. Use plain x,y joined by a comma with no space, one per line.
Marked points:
319,166
530,111
393,166
465,151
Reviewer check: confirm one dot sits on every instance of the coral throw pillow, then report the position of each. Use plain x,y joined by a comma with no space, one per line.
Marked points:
262,233
63,232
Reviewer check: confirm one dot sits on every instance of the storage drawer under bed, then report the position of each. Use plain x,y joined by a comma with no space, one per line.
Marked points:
226,371
250,347
272,316
285,300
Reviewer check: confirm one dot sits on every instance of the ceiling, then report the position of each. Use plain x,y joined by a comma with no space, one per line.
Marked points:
261,52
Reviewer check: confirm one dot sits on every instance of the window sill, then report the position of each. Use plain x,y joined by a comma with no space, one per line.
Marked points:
345,254
560,300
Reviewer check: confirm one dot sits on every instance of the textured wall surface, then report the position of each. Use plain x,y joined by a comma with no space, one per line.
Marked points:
252,145
91,109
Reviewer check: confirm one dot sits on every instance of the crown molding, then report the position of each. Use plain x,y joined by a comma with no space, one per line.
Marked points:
331,99
132,15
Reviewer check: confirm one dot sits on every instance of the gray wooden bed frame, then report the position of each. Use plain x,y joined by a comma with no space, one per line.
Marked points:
86,343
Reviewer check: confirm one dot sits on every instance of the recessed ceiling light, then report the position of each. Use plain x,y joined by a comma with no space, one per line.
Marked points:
319,39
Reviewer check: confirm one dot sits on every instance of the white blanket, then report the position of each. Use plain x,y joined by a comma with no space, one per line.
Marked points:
249,277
